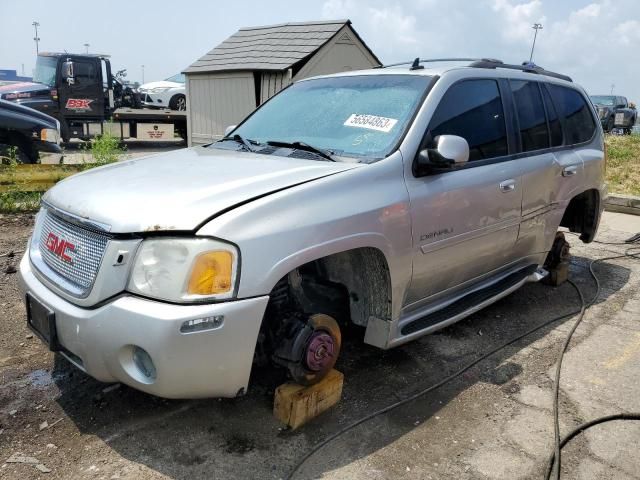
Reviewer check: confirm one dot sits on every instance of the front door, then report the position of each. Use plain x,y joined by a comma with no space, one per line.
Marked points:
465,222
83,98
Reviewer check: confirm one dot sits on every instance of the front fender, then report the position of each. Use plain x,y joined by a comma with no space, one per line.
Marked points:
366,206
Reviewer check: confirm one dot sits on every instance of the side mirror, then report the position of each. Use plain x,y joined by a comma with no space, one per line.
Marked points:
451,152
229,129
67,72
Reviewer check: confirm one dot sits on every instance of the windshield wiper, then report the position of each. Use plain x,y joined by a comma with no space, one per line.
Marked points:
303,146
246,142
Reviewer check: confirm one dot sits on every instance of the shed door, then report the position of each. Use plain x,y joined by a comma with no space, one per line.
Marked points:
216,101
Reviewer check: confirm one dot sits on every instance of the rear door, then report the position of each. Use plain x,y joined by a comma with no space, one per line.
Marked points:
84,98
465,222
554,175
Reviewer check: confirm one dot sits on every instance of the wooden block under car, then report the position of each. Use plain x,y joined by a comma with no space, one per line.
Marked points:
558,275
295,404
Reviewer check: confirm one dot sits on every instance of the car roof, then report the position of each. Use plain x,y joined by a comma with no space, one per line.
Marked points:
441,68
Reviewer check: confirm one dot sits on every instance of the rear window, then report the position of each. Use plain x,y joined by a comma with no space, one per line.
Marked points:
533,123
472,109
579,125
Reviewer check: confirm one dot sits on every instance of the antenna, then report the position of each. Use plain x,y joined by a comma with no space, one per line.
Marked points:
416,64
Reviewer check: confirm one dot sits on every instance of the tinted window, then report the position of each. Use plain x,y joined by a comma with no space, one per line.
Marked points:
554,120
472,109
533,123
84,72
578,122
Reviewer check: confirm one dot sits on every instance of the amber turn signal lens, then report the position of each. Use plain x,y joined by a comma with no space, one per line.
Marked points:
211,273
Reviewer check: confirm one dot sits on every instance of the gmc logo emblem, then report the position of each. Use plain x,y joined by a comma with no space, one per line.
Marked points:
60,247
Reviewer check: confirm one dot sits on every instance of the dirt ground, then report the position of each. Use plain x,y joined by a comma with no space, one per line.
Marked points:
494,422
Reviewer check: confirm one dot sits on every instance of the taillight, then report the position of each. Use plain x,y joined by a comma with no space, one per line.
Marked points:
54,93
605,156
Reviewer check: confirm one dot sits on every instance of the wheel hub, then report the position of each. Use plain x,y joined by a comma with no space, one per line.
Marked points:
320,351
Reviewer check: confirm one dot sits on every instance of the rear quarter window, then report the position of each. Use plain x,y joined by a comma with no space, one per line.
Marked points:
579,125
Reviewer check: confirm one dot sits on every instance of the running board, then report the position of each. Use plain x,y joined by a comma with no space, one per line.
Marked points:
469,301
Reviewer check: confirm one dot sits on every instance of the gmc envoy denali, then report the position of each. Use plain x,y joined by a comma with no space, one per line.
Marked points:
398,199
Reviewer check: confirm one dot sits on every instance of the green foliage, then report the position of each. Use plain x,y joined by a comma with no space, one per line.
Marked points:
106,149
12,157
16,201
623,164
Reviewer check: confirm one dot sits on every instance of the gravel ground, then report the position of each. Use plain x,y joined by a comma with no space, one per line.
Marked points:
494,422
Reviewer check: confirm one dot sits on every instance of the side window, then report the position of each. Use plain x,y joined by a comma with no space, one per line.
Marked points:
84,72
554,120
533,123
472,109
579,125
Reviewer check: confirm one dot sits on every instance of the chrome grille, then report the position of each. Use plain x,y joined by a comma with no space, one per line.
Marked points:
78,263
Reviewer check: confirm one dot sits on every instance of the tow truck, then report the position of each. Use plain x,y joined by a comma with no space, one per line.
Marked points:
80,91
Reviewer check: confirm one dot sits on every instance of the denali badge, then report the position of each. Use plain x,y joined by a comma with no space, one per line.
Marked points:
59,247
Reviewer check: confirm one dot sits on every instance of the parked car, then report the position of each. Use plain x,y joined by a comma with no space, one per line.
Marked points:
32,133
166,93
615,112
395,200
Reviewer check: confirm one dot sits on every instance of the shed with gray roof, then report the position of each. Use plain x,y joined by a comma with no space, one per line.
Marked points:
255,63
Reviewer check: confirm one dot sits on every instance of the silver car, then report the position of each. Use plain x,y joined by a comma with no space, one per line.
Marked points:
399,199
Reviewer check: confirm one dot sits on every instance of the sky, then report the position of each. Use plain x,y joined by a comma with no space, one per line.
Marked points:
594,41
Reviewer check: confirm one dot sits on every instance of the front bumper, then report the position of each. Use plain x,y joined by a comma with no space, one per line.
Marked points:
100,341
157,100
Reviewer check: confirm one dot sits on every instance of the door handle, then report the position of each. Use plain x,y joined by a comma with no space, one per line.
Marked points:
507,186
569,171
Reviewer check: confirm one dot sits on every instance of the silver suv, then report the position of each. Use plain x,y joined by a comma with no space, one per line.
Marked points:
398,199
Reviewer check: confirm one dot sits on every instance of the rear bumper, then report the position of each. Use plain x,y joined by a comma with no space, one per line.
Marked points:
100,341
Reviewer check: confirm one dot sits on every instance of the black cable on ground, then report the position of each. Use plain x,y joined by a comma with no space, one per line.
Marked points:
555,458
486,355
591,423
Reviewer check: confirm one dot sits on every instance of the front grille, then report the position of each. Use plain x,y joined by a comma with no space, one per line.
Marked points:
77,260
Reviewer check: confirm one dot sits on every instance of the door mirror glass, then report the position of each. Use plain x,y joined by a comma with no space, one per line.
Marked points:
451,152
229,129
67,72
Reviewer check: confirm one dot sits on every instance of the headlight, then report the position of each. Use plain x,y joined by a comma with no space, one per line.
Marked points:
159,89
185,269
49,135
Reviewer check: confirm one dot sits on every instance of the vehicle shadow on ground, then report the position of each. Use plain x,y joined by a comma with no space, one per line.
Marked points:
239,438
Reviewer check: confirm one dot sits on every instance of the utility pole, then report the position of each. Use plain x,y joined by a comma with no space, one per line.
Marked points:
536,27
86,45
36,38
142,74
613,85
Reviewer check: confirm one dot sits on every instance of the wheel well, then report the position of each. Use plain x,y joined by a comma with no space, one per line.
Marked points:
352,285
583,215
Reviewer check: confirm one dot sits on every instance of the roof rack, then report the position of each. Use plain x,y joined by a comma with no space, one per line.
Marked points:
483,63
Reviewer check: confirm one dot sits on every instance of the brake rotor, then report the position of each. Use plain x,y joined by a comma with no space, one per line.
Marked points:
316,348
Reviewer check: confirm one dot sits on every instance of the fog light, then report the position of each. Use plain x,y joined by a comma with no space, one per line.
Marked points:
200,324
144,363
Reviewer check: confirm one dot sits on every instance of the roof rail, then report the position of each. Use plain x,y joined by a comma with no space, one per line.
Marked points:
525,67
419,60
482,63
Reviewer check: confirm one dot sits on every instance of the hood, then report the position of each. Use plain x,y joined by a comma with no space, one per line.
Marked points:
181,189
16,91
33,115
160,84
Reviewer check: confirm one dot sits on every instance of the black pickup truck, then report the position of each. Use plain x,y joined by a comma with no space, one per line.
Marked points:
615,112
32,133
